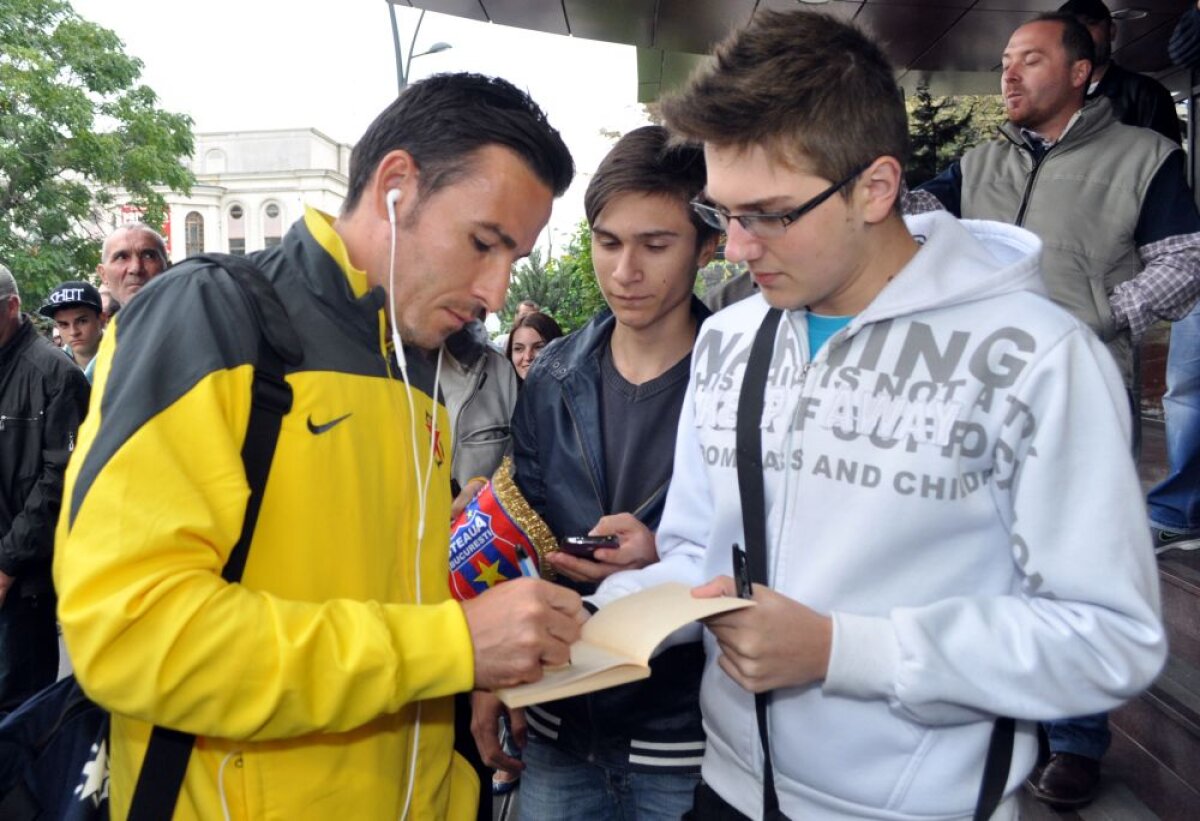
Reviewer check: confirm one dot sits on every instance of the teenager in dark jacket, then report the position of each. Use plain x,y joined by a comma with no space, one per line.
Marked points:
593,445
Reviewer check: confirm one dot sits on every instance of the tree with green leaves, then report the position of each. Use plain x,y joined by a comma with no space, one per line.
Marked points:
75,126
936,128
532,278
565,287
578,294
941,129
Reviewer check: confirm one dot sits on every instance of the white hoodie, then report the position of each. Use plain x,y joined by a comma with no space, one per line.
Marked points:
950,481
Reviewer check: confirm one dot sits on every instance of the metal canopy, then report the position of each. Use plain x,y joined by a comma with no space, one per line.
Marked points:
955,44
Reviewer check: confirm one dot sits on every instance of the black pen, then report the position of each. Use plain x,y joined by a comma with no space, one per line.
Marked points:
741,573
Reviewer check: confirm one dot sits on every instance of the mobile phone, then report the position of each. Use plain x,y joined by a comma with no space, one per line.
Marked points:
585,546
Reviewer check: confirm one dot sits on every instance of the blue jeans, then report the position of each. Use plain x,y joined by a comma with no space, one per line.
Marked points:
557,785
1175,502
1086,735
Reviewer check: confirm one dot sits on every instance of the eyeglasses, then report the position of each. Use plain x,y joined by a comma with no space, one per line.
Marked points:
769,225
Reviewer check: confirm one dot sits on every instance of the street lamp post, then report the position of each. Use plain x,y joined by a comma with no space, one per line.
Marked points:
403,65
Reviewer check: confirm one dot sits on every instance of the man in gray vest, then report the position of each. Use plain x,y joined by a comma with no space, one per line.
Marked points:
1110,202
1121,249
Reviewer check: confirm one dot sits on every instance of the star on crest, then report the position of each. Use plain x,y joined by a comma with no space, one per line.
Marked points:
489,573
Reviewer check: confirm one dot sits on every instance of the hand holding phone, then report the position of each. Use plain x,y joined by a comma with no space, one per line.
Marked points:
585,546
628,544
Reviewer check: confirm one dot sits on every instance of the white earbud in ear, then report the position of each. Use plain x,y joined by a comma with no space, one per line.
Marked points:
393,196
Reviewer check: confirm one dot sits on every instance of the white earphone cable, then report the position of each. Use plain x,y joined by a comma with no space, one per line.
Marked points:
422,482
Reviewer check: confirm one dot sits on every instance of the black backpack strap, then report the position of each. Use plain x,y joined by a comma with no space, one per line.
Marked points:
754,507
274,325
166,760
749,446
995,769
754,525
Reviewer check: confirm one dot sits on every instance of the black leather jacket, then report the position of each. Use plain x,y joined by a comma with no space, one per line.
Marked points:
558,456
1139,100
43,398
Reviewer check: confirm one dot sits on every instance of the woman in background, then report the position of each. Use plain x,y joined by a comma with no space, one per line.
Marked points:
530,334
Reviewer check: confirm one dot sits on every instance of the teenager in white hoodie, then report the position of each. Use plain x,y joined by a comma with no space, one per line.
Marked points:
954,525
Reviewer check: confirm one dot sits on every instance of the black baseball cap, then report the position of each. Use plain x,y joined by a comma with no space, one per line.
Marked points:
1093,10
71,295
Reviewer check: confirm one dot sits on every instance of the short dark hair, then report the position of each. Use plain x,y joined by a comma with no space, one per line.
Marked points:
1093,11
1077,41
544,324
443,120
645,162
806,86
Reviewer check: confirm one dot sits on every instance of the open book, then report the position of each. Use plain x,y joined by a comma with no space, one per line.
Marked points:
616,644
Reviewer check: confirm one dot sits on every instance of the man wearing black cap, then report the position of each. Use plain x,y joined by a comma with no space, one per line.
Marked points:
1136,99
42,400
78,313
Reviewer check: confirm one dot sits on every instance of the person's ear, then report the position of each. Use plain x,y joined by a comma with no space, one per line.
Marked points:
1081,71
878,187
706,252
394,184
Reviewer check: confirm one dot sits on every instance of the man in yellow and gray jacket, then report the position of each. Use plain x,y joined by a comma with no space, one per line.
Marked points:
319,686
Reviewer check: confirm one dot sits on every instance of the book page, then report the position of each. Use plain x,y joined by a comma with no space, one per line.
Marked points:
616,644
631,627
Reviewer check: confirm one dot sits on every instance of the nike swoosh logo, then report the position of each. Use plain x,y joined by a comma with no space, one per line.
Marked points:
317,429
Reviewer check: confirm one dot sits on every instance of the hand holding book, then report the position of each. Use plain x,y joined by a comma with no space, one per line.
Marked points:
615,645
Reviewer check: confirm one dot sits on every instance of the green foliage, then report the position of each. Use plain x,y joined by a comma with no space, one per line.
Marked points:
531,279
74,125
716,274
579,297
942,129
565,287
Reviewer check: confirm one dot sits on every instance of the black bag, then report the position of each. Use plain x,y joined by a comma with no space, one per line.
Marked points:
54,757
54,748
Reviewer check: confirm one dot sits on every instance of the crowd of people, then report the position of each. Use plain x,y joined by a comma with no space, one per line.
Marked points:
907,432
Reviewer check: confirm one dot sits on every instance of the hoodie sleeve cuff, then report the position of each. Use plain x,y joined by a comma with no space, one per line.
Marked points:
864,658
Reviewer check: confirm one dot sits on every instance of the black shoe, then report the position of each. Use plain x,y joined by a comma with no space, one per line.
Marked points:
1065,782
1165,540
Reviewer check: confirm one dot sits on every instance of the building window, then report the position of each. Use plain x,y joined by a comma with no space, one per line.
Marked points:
237,230
272,225
193,226
214,161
